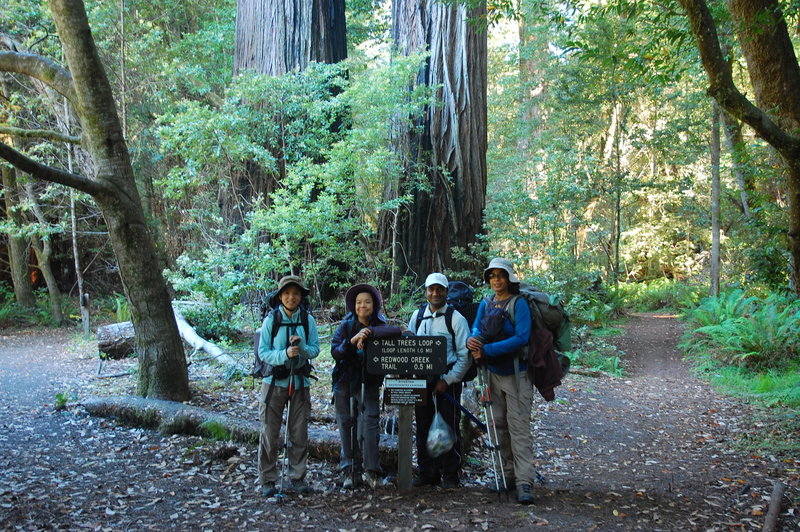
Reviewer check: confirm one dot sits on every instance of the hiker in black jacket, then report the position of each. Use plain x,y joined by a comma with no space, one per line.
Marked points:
356,392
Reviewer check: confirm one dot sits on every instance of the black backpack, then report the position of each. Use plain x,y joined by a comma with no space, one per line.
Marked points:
460,297
260,368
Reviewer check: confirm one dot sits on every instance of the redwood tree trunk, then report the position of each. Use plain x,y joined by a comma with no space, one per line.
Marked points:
277,36
274,37
450,146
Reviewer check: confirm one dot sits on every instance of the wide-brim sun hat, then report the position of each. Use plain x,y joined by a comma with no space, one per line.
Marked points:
501,264
286,281
436,278
352,293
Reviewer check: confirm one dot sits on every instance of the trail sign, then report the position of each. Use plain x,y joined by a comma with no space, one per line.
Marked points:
413,355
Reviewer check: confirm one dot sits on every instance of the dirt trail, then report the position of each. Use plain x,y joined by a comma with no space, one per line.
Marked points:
650,451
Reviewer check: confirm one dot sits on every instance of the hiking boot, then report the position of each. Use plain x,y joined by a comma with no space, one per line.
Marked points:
450,482
425,480
373,479
524,494
268,489
350,481
300,486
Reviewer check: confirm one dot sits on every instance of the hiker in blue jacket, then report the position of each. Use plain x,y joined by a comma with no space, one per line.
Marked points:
496,342
432,321
355,392
288,351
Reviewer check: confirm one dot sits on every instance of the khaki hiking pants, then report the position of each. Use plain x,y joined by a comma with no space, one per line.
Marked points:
511,406
270,440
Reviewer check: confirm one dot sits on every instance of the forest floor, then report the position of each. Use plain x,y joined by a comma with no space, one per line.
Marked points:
653,450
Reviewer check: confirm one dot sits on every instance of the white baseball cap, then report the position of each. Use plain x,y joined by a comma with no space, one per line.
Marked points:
436,278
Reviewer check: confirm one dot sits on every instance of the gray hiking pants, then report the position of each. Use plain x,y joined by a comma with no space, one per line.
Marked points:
342,396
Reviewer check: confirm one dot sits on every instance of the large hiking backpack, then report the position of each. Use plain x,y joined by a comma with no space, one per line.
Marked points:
551,336
460,297
260,368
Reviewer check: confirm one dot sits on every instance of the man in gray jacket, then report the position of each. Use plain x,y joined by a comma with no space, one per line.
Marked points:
436,318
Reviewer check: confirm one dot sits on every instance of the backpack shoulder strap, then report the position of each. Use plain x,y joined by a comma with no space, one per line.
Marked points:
420,313
304,320
276,325
448,320
511,307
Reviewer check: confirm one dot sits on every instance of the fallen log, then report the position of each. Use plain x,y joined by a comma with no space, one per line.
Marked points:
771,521
190,336
171,417
116,340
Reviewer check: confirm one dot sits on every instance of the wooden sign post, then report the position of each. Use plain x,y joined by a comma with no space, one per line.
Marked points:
406,358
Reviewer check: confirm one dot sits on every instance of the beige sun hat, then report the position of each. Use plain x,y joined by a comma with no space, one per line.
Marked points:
502,264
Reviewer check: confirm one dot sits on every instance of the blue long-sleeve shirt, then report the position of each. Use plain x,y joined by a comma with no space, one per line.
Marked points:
274,351
503,354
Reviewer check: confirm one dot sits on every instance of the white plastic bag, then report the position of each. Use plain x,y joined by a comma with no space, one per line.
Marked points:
440,436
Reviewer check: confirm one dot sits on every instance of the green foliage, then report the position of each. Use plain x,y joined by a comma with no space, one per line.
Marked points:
214,429
601,359
122,311
8,306
213,322
62,398
659,294
321,220
753,333
716,310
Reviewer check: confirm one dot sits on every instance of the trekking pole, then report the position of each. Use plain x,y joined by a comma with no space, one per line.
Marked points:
478,423
361,406
353,432
286,442
493,443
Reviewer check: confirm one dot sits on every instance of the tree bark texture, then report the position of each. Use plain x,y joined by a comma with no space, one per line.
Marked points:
450,146
17,245
274,37
162,363
775,76
43,247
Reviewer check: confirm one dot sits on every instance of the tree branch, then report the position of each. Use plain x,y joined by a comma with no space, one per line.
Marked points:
47,134
41,68
48,173
722,87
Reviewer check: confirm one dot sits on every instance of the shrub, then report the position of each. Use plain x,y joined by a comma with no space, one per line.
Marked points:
746,331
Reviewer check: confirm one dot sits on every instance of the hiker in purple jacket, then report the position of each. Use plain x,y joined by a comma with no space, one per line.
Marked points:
355,392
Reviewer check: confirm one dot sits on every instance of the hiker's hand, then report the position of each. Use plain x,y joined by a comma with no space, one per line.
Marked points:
359,339
477,355
293,351
441,387
474,343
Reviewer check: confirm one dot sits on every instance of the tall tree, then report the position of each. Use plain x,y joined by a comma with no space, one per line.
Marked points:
274,37
774,74
17,245
162,363
448,149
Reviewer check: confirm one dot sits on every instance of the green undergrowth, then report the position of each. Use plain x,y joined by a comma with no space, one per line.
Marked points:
748,347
